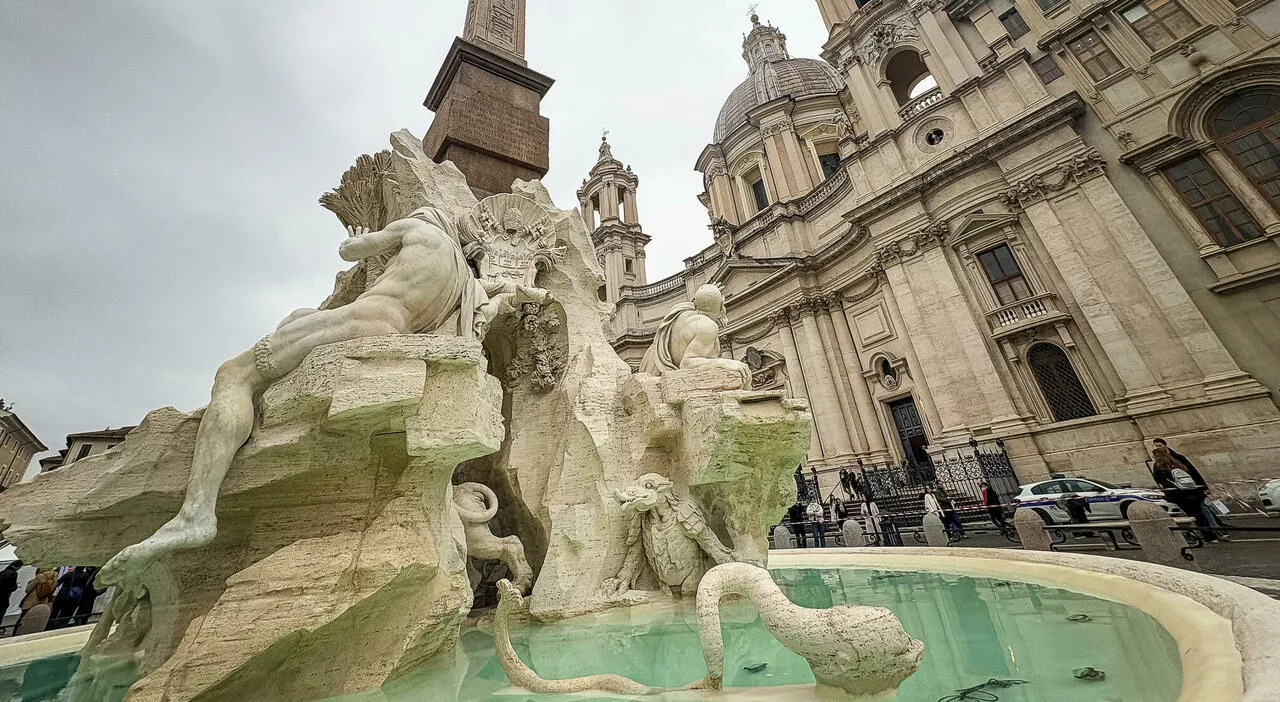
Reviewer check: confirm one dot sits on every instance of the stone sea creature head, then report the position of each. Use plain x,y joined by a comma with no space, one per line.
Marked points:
645,493
709,300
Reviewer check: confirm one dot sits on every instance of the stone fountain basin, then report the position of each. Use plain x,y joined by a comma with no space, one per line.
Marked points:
1228,635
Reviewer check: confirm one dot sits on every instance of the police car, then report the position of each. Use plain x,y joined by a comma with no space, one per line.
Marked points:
1270,496
1106,502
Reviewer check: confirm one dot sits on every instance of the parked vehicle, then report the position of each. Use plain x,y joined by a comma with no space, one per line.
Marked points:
1106,502
1270,496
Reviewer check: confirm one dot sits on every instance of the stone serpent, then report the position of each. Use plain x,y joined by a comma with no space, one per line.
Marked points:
510,602
861,650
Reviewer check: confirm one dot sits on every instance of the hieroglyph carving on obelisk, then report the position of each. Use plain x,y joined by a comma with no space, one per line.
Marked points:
497,24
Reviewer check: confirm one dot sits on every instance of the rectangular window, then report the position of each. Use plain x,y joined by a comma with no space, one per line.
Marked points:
84,451
830,164
1047,69
1004,274
1213,203
626,263
1160,22
1014,24
760,194
1048,4
1096,58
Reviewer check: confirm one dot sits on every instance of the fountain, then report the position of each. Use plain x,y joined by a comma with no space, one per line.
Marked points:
409,452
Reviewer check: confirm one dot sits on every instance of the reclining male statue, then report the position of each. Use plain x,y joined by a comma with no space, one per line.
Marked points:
689,337
422,286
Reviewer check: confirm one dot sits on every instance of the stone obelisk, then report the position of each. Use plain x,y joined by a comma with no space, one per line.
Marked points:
486,100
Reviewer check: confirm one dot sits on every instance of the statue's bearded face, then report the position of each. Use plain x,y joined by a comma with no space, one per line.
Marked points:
645,493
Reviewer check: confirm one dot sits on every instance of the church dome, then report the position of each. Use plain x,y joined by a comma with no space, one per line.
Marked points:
797,78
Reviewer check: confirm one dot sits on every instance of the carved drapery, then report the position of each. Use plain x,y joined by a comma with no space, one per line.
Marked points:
884,37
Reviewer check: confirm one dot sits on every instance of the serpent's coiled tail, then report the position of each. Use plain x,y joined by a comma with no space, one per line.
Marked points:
509,602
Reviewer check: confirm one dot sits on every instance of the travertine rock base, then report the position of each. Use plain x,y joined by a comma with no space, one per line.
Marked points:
338,562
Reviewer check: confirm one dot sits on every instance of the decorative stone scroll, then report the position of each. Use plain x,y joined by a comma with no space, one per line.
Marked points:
1031,190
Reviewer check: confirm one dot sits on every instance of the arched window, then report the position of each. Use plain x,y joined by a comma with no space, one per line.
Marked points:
1059,383
1248,128
908,76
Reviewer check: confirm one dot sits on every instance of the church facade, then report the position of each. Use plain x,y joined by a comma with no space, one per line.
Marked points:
1054,224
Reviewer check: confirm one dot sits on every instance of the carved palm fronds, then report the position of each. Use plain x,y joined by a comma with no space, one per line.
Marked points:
357,201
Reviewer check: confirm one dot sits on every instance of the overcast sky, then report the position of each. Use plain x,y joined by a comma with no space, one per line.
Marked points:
160,163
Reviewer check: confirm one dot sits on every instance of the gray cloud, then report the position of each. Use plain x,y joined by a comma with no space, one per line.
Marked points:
162,160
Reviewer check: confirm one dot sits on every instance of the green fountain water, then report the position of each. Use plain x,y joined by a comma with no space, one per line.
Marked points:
974,629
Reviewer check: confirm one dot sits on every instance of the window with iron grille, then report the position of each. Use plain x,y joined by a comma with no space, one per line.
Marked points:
1217,208
1094,55
1160,22
1014,24
1248,127
1061,387
1004,274
1047,69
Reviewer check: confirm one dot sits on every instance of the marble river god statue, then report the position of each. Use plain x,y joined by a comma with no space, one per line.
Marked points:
422,286
689,337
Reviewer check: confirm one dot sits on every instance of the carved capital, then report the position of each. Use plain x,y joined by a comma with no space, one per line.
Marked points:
1079,168
783,125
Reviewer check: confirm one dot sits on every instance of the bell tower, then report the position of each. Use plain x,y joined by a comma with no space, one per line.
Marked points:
608,201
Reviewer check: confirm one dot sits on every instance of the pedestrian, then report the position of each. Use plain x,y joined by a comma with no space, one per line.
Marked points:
950,517
995,510
35,604
1182,489
84,609
70,590
795,517
1211,518
839,512
871,513
817,519
845,483
1078,511
8,585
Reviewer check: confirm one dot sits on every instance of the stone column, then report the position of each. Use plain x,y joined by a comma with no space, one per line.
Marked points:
1244,189
1031,531
589,214
970,340
795,375
782,189
1188,325
629,198
861,394
1094,304
844,391
822,388
942,413
609,202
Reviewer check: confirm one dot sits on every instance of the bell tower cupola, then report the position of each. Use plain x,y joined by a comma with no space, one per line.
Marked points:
608,201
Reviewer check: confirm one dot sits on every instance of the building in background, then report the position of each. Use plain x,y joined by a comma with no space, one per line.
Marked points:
85,444
17,446
1049,223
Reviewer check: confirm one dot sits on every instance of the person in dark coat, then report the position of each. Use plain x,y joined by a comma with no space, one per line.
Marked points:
85,608
991,501
71,587
8,584
1182,488
795,522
